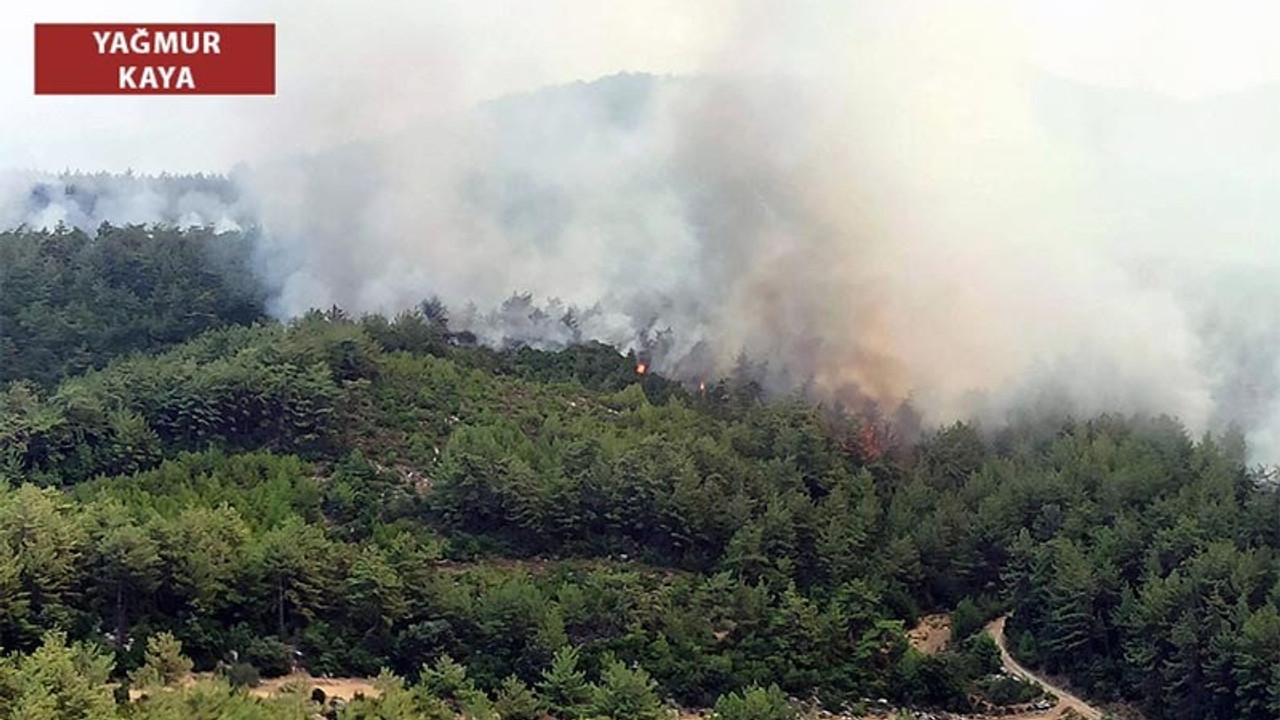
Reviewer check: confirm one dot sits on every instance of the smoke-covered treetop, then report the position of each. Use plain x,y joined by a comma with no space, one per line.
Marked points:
86,200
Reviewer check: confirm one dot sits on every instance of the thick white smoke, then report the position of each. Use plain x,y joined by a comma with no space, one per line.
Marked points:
883,200
85,201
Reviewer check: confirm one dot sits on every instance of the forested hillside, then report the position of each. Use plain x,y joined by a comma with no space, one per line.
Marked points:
70,302
514,532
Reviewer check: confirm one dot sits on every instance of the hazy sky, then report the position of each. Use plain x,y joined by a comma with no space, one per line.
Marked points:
342,70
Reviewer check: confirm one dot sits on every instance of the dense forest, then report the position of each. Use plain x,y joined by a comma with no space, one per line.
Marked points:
186,484
70,302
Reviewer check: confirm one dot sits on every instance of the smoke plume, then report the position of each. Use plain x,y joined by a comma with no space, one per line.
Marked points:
878,201
82,200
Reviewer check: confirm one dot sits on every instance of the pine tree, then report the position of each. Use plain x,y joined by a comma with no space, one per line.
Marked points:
374,591
1183,670
1256,665
128,561
626,694
447,679
1070,627
15,601
61,682
515,701
164,663
564,689
292,559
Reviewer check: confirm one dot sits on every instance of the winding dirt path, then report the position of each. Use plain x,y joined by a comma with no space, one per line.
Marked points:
1065,699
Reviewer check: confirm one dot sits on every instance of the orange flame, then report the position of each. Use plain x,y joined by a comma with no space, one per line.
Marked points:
870,441
641,368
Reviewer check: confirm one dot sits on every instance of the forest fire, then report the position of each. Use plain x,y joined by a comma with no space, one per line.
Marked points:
872,438
641,368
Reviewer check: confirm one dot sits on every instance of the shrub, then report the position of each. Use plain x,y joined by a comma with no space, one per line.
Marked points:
754,703
243,675
271,657
985,653
1008,690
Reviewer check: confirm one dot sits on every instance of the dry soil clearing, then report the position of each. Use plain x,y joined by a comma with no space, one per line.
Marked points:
932,634
340,687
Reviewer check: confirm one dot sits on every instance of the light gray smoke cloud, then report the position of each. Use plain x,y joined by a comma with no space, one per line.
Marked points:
85,201
880,200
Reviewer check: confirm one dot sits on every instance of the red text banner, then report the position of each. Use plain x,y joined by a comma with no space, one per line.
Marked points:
155,59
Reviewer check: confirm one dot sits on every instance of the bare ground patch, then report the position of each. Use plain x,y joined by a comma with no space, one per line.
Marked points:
932,633
339,687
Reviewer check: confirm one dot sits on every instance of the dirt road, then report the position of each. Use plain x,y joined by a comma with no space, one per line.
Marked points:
1065,699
